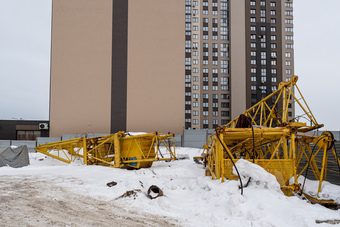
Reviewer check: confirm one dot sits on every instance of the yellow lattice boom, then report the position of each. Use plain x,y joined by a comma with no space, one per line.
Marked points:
115,150
267,135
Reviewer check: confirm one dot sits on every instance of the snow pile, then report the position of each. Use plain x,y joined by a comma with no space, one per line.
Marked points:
328,191
256,176
190,198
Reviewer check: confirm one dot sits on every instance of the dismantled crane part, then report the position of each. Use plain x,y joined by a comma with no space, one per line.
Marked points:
267,135
115,150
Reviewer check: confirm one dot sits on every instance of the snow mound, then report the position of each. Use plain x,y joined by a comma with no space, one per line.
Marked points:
259,177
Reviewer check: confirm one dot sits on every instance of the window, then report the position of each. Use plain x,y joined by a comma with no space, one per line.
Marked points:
288,12
288,63
253,88
225,113
188,120
195,61
262,3
263,55
289,37
273,79
195,3
253,53
273,62
253,19
195,28
205,12
214,37
205,96
288,21
273,20
273,12
205,104
273,29
188,111
205,113
214,20
195,53
252,36
224,64
195,36
215,62
215,96
263,28
195,78
289,4
273,45
195,11
224,88
252,11
274,88
187,44
288,71
188,61
214,12
187,102
205,45
215,113
273,54
289,29
195,95
224,104
263,62
263,72
253,62
253,70
195,70
252,3
187,18
215,122
187,93
195,87
253,45
253,79
195,19
274,71
187,78
288,55
215,88
263,13
205,36
289,46
214,71
205,87
205,122
224,96
272,4
195,121
195,113
205,62
273,37
205,70
195,104
252,28
195,45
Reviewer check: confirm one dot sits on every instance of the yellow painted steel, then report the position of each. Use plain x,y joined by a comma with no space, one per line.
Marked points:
271,139
116,150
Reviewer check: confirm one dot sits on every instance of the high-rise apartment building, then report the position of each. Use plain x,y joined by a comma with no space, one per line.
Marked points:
236,53
164,65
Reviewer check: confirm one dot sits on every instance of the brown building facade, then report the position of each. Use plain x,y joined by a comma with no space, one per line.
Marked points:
117,65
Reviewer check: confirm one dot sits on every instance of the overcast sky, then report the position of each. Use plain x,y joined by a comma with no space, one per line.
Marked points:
25,39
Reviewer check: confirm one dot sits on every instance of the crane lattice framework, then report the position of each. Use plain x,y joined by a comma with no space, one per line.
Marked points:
267,136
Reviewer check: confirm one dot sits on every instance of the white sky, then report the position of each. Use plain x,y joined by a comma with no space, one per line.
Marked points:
25,27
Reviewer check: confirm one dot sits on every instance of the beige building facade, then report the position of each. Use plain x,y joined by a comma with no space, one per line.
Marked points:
106,71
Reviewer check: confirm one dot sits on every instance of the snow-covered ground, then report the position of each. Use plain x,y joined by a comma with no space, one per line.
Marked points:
50,192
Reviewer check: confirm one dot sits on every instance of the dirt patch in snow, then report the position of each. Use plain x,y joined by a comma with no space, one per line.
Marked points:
29,201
